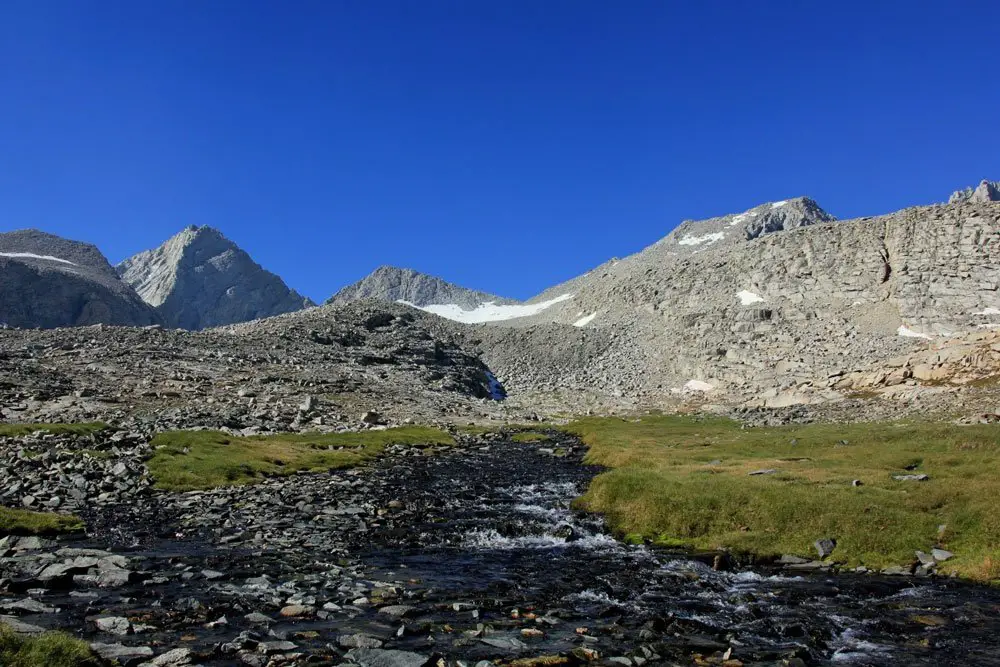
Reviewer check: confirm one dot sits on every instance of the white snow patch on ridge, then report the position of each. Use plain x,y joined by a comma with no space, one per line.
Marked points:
697,385
987,311
584,321
907,332
779,204
487,312
746,297
698,240
31,255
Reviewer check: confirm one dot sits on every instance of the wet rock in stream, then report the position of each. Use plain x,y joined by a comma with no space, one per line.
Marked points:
465,553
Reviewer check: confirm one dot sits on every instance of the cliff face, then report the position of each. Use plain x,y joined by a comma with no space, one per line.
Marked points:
47,281
199,279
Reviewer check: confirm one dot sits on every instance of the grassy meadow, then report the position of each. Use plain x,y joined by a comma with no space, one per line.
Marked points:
685,481
187,460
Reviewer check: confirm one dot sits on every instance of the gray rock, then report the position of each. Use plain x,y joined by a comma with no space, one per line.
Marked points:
504,643
116,625
397,610
359,641
927,560
825,546
20,627
767,471
373,657
120,652
941,555
178,657
911,478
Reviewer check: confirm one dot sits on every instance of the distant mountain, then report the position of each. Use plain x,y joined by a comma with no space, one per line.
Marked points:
985,191
393,284
199,279
47,281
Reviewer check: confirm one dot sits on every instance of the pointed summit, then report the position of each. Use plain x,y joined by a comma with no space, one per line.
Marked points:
199,279
390,283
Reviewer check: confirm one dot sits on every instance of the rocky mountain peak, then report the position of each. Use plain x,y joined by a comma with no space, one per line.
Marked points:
692,236
199,278
392,283
985,191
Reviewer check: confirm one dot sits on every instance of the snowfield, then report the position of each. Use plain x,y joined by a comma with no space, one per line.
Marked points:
698,240
31,255
907,332
697,385
747,297
584,321
489,311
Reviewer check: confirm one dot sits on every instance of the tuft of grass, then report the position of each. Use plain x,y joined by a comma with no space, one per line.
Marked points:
529,436
684,481
188,460
17,430
24,522
50,649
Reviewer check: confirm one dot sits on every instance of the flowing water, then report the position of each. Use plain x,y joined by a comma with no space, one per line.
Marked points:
475,554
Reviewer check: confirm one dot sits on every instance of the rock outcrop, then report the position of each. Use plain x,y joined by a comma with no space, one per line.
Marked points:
47,281
199,279
985,191
391,284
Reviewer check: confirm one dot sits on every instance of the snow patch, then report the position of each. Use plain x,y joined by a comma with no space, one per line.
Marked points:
584,321
489,311
779,204
987,311
907,332
737,219
698,240
697,385
31,255
746,297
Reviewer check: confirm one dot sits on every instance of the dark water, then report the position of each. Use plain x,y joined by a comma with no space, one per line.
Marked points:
493,527
482,546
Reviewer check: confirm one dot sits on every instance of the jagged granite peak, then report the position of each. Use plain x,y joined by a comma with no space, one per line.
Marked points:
696,235
391,283
199,279
985,191
47,281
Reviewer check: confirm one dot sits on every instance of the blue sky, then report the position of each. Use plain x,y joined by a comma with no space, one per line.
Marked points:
505,145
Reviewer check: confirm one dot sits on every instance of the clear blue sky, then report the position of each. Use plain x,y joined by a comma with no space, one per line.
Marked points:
502,144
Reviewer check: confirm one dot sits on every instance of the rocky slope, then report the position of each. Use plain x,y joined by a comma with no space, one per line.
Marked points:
392,284
319,368
47,281
766,317
199,279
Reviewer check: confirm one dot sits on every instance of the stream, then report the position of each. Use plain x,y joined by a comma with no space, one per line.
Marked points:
467,554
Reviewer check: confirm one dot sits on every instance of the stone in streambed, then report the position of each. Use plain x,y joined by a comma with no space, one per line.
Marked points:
366,657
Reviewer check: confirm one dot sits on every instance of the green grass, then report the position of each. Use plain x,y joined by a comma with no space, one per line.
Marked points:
51,649
187,460
23,522
529,436
17,430
683,481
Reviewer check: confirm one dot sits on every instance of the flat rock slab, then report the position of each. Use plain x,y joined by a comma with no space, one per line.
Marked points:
374,657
